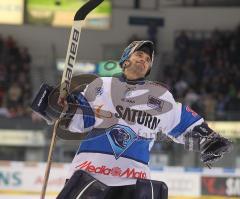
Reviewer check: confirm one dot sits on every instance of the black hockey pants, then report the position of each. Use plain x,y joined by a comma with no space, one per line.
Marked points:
83,186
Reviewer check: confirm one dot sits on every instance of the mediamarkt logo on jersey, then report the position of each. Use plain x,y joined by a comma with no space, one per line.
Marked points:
115,171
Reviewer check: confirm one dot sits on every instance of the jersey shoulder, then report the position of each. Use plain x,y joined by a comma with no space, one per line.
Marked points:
157,84
99,81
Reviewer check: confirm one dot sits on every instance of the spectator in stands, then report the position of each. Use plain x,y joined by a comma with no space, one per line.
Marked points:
181,46
14,99
25,56
209,105
181,87
191,97
233,107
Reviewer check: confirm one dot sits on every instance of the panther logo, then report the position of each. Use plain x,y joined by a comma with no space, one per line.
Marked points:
120,137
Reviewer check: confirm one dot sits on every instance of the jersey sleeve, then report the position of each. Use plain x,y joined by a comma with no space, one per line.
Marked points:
84,118
179,120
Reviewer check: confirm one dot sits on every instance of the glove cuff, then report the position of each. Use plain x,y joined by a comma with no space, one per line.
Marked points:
195,139
203,129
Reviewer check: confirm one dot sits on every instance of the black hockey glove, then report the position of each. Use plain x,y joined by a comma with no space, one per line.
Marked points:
41,105
45,104
210,144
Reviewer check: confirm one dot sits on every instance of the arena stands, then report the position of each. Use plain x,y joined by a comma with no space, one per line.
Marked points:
205,73
15,80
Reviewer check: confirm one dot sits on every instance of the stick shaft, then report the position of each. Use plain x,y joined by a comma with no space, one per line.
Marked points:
49,161
70,58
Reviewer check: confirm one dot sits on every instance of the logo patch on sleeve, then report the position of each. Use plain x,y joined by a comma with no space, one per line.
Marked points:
194,114
155,103
121,138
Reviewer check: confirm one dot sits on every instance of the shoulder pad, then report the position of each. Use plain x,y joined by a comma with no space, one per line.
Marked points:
159,84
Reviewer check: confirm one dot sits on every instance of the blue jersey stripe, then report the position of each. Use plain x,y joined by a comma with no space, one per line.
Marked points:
88,114
138,150
188,117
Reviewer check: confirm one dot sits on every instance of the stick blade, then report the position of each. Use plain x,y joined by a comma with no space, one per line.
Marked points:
86,9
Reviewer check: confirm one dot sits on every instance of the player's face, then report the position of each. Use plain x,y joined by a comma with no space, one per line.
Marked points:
137,65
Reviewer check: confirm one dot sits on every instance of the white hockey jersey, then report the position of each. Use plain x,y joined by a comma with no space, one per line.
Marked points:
125,119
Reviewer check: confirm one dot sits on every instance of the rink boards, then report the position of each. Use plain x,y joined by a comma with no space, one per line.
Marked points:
24,180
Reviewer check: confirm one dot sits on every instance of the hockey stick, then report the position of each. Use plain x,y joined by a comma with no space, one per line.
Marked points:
73,47
67,74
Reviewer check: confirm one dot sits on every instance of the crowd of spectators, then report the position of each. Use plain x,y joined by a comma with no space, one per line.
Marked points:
15,85
206,73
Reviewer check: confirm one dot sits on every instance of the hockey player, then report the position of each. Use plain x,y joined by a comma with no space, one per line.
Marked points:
121,117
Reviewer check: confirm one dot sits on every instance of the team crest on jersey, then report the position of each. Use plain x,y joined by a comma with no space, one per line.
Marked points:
121,138
155,103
